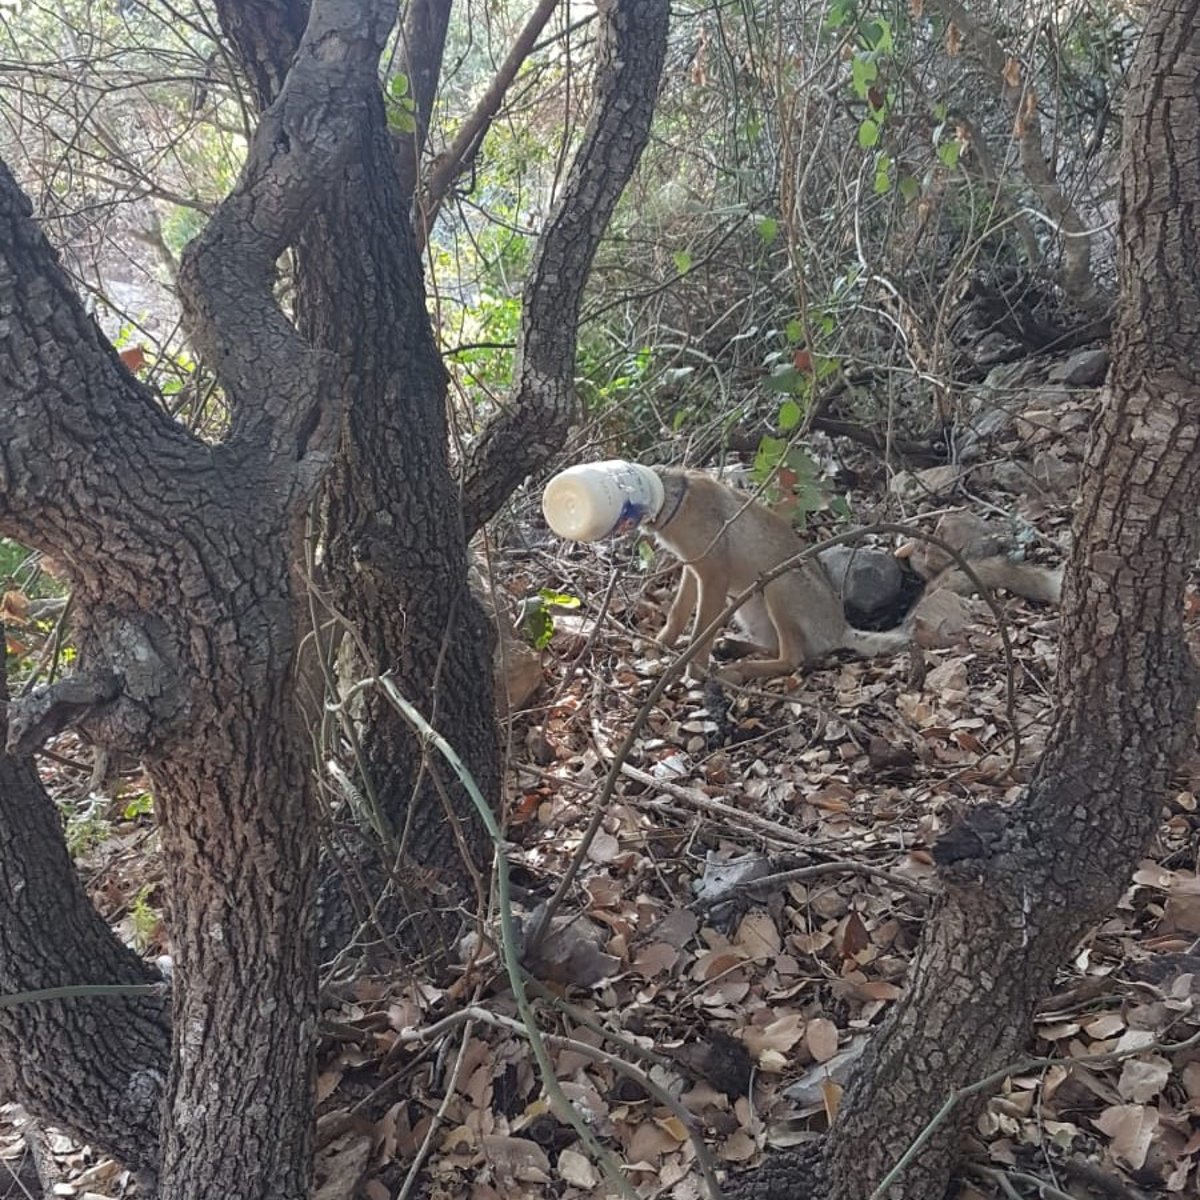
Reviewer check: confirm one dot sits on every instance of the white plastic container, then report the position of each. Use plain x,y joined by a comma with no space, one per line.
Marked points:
593,500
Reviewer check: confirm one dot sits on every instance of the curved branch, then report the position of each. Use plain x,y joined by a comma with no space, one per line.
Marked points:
632,38
98,1071
73,422
227,274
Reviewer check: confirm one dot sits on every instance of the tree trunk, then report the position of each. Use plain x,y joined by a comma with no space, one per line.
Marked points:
94,1065
527,432
396,557
178,665
181,556
1022,885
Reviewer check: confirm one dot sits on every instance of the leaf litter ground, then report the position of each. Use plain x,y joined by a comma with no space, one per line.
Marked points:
745,1003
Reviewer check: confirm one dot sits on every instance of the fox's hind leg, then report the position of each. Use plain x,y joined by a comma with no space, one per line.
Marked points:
792,652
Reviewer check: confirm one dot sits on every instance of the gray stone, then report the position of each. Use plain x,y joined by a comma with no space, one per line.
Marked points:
1085,368
868,577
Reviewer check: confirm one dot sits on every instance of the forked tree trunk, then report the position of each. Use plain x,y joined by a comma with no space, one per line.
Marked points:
97,1066
1022,885
181,555
165,544
526,433
396,557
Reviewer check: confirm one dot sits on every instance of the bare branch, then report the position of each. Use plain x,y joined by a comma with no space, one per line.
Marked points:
1022,100
632,39
227,275
424,42
452,162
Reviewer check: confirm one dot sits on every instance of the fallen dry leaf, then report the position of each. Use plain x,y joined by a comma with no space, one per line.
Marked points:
1130,1128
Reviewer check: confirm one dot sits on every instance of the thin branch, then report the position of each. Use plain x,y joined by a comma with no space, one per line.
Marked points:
1022,100
456,158
423,42
631,46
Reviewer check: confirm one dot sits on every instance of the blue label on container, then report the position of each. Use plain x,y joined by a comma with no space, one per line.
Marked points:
631,515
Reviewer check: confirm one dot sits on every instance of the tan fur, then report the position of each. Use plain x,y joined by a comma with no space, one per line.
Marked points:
727,542
981,547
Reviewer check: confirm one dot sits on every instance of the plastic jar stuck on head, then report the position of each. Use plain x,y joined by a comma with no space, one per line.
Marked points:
592,500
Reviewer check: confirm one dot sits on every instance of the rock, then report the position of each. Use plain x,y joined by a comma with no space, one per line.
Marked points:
981,427
1037,425
1047,475
1053,474
1017,376
930,483
868,577
940,619
1085,368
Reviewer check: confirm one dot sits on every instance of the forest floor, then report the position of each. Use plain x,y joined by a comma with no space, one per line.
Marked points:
741,921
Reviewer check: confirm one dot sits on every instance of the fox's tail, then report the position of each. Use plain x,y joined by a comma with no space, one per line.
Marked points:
870,644
1022,579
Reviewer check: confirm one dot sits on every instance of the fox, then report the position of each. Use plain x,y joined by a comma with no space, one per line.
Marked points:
728,541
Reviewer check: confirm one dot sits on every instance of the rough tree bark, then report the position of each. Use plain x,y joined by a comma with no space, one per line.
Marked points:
396,560
96,1066
631,43
181,556
1022,885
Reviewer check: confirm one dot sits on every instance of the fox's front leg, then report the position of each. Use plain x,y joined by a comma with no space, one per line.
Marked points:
681,609
711,591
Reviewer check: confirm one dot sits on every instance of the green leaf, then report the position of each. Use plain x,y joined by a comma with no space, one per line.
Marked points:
683,261
401,120
827,365
948,153
839,13
767,229
558,599
878,35
539,628
398,86
787,380
910,189
768,456
883,183
868,134
794,331
645,553
789,415
863,73
139,806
